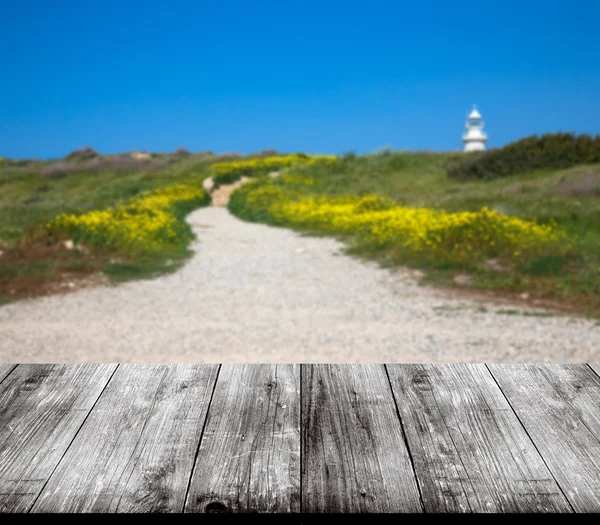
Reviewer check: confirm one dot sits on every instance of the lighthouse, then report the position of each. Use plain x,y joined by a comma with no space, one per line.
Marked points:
474,138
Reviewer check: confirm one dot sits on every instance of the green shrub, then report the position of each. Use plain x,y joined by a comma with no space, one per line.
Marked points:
86,153
549,151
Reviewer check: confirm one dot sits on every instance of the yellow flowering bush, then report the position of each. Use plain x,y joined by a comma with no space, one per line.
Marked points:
1,161
225,172
296,179
147,223
461,237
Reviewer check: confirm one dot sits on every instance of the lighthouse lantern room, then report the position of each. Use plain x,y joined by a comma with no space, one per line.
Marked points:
474,139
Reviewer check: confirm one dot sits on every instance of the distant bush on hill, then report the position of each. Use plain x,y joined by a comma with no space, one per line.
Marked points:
551,151
182,152
223,157
265,153
86,153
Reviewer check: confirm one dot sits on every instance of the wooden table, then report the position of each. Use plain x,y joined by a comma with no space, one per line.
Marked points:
300,438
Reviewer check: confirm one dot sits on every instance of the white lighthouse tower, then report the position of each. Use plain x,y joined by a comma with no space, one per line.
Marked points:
474,138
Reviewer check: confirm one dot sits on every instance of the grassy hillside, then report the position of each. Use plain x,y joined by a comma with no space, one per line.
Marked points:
35,260
565,272
535,233
117,216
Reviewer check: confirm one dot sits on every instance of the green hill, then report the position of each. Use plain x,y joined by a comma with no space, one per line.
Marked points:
568,199
33,193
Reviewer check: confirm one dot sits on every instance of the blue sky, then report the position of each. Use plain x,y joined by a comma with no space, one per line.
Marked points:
314,76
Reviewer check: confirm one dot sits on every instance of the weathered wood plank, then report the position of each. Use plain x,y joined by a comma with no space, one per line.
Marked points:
559,405
5,370
595,368
136,450
42,407
470,451
354,458
249,457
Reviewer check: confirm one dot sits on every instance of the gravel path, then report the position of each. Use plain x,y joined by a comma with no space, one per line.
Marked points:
255,293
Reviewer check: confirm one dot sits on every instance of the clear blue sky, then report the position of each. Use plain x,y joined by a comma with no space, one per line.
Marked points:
314,76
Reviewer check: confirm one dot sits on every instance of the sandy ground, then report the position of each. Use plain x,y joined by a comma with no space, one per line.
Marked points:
220,196
254,293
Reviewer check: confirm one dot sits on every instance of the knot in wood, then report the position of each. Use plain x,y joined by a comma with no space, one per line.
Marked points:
217,507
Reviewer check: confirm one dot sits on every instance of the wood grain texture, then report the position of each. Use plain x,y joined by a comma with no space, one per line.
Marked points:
249,457
354,457
5,370
559,405
289,438
470,451
136,450
42,407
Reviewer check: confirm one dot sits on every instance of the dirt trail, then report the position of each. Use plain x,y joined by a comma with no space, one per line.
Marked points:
259,294
220,195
